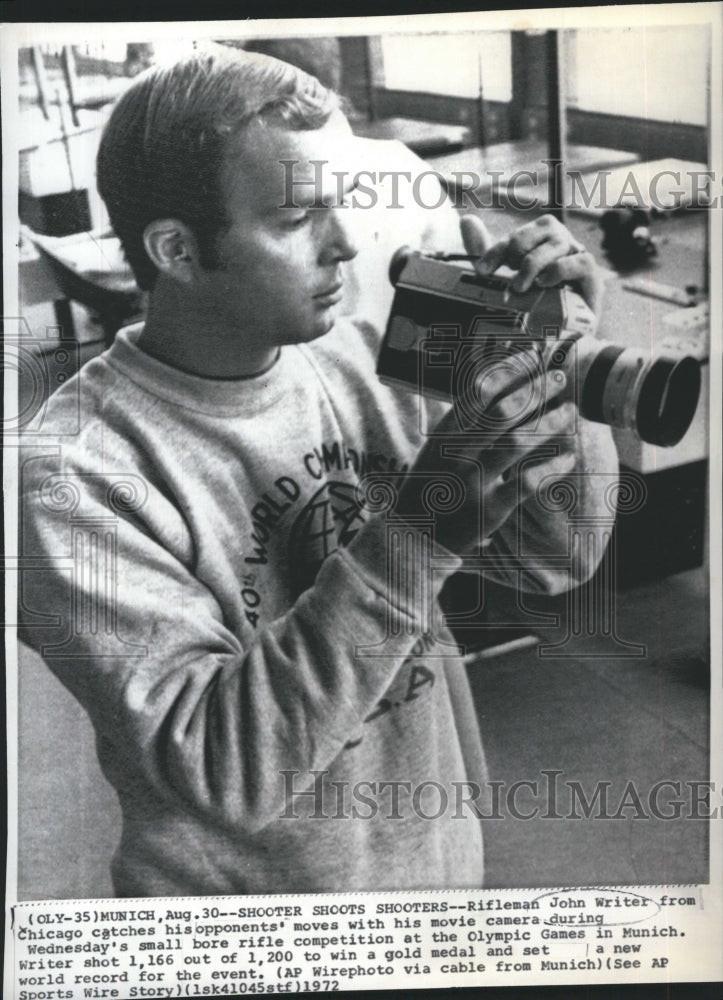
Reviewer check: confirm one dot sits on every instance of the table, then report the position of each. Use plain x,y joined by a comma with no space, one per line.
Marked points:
505,163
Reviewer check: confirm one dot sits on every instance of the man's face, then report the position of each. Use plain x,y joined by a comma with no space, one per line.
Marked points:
280,274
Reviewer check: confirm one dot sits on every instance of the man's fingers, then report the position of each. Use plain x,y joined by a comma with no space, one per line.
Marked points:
510,392
518,482
513,251
534,473
573,268
494,257
577,269
506,402
499,471
503,451
555,427
542,260
475,235
543,252
521,481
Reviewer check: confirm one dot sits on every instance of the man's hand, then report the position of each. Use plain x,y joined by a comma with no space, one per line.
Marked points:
500,472
543,252
502,469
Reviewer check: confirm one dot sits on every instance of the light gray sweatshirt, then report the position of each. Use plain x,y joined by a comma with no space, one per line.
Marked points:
215,578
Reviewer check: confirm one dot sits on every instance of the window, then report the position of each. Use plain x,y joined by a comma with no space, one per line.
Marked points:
656,73
454,65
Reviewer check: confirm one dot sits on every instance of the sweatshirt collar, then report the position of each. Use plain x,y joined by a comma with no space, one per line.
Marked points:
195,392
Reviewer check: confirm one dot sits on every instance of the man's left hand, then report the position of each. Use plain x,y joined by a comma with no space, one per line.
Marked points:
543,252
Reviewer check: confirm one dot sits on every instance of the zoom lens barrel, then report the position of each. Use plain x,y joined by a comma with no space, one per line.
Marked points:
656,398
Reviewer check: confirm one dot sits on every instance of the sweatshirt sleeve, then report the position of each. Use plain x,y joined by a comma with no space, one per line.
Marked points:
142,643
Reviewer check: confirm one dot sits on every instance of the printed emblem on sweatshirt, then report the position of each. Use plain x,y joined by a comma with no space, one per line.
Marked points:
328,521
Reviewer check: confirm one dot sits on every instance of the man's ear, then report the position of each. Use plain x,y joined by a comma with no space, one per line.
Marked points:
172,247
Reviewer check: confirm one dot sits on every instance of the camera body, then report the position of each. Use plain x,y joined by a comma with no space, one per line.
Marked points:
449,328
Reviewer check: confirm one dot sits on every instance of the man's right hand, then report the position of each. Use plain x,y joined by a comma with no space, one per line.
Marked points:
500,464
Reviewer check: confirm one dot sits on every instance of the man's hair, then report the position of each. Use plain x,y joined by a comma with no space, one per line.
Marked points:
165,145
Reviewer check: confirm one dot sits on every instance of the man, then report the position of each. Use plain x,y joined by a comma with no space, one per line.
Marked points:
272,705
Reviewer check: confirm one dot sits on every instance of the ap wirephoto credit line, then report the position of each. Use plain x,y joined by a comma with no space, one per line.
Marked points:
363,531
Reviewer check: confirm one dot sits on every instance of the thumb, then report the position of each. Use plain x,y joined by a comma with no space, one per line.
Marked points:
478,243
475,235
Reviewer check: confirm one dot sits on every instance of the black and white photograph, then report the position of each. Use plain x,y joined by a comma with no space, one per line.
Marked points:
362,501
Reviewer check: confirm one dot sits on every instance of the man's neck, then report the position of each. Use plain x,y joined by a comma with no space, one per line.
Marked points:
184,333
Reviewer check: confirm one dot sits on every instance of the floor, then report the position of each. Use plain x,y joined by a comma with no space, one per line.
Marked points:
630,722
594,720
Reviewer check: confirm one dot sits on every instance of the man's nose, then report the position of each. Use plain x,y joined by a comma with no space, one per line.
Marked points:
341,242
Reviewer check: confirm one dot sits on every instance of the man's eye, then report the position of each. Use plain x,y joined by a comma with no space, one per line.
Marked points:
296,222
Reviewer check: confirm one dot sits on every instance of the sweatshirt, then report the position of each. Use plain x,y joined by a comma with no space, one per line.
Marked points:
274,711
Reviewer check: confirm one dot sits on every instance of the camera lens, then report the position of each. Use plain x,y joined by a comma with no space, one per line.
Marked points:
623,387
667,400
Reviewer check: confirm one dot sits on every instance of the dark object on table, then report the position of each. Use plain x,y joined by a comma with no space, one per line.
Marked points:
627,240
